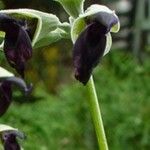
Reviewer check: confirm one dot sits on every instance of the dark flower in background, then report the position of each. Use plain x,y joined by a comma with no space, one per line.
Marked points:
6,91
9,139
17,43
91,44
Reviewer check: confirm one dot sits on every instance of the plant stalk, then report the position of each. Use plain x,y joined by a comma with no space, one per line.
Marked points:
96,115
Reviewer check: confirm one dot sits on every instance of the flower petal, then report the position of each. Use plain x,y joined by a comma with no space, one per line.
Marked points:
5,96
17,44
21,84
105,14
17,48
88,49
107,19
6,91
97,12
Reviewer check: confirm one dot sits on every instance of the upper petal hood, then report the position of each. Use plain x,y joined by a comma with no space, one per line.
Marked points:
99,13
6,91
105,15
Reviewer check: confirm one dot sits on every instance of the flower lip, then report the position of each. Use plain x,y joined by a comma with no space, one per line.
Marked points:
5,96
21,84
6,91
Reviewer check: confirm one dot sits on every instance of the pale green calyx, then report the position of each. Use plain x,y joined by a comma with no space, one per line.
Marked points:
108,43
72,7
4,128
4,73
45,24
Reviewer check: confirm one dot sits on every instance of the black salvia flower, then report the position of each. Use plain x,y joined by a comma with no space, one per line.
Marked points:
9,139
6,91
88,49
17,43
91,44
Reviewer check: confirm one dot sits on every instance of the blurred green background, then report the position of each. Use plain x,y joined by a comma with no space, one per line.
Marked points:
56,115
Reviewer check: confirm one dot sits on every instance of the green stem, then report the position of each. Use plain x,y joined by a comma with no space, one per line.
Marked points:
96,115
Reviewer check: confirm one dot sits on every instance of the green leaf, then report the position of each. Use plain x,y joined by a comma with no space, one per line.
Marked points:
78,26
44,24
62,31
5,73
72,7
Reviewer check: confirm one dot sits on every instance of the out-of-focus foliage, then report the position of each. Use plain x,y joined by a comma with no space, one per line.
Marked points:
47,69
50,65
1,5
63,121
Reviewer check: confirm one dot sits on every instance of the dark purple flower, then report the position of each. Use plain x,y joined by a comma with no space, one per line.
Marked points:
17,43
90,45
9,139
6,91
